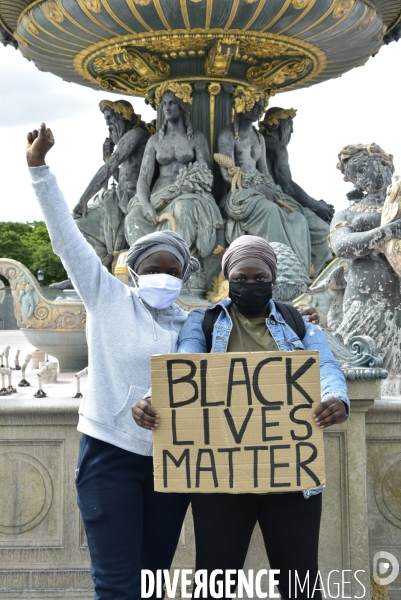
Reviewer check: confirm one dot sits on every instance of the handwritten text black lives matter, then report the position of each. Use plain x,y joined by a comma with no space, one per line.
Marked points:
237,422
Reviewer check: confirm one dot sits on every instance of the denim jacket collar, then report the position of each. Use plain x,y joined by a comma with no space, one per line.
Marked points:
273,312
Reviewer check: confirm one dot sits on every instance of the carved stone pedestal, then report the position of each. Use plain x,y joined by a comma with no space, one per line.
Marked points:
43,553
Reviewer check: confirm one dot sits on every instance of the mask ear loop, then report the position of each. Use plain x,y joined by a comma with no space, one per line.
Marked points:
134,276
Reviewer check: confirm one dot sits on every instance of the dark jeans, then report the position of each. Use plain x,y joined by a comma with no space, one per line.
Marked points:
289,523
128,525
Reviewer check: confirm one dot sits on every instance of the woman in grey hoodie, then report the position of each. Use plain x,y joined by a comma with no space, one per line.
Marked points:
129,526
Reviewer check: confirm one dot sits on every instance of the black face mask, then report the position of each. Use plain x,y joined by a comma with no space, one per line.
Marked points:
250,298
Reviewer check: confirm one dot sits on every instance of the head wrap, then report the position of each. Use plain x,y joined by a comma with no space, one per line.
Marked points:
163,241
249,251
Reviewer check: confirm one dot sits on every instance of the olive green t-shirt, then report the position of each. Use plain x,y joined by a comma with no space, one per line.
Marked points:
249,335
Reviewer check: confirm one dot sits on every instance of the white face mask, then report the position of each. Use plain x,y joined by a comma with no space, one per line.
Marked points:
159,290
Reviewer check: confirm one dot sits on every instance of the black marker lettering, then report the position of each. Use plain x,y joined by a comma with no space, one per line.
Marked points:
206,430
255,450
300,422
174,428
185,379
211,469
237,435
291,379
255,380
232,382
266,424
177,462
274,465
203,374
302,464
230,463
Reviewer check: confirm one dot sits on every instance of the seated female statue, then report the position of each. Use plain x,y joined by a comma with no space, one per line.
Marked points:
372,299
180,198
259,206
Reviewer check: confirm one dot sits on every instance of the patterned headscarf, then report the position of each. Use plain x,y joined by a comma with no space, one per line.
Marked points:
250,251
161,241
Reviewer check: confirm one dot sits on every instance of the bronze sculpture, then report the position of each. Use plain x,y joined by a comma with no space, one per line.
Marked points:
180,197
102,222
254,208
372,298
277,128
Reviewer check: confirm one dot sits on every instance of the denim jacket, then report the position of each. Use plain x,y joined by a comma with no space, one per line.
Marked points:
332,381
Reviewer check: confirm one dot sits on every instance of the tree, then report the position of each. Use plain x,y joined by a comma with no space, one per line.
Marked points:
29,243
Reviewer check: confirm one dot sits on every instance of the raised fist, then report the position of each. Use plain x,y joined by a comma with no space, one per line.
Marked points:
38,145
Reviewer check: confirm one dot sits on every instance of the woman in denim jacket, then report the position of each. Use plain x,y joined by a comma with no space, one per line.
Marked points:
249,321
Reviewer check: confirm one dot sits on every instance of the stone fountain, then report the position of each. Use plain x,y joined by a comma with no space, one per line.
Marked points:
221,58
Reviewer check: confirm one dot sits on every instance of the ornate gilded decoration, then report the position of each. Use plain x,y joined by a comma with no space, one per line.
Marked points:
390,212
93,5
52,11
337,226
183,91
172,43
273,118
34,311
27,23
246,98
219,59
214,90
222,51
300,4
119,58
342,8
142,2
365,208
121,67
270,75
119,108
234,171
219,289
261,49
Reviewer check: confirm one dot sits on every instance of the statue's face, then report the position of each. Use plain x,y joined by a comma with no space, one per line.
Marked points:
114,123
170,107
367,172
256,111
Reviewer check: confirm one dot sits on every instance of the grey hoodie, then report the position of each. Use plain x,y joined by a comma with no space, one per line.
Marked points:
122,331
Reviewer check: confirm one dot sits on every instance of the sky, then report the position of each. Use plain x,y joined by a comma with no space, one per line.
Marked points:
362,106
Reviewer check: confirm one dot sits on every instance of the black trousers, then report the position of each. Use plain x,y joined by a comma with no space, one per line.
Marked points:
290,526
128,525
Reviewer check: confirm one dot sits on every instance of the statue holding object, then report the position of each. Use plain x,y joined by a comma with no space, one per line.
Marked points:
256,205
372,298
102,219
277,128
180,197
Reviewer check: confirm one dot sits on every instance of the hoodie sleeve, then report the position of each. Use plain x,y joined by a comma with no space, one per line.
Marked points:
93,282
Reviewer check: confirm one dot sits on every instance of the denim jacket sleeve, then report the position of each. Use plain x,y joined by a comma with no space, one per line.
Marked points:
191,338
332,380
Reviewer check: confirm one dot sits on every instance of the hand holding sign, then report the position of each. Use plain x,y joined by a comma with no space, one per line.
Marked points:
144,415
237,422
330,412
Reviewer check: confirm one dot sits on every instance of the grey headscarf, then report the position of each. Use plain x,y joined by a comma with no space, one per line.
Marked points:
250,251
161,241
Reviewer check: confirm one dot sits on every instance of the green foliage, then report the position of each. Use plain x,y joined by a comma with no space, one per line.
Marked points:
29,243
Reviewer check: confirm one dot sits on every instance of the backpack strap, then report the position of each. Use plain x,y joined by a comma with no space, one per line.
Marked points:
289,313
293,319
209,319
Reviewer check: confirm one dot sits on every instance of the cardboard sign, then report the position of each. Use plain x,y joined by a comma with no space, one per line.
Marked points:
237,422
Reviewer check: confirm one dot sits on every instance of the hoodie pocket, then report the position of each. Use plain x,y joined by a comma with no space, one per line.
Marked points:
133,396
